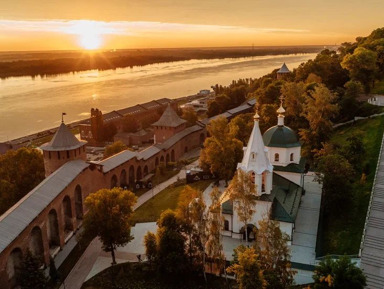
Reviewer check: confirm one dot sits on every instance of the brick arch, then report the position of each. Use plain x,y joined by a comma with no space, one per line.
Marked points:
114,181
67,215
36,245
156,162
53,231
139,175
173,155
162,159
167,159
79,203
13,266
123,178
131,177
145,171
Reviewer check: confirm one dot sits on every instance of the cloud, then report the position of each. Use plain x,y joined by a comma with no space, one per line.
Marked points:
128,28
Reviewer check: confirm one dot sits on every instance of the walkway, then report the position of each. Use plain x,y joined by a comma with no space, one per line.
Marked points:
95,260
372,246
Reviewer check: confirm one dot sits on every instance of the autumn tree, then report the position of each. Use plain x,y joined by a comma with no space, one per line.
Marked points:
130,124
150,246
221,151
109,218
340,273
319,110
249,274
114,148
273,252
20,171
243,194
215,224
241,126
190,115
31,276
295,95
361,66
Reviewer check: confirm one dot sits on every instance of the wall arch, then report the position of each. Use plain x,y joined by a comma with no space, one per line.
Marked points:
139,175
36,245
113,181
145,171
123,178
53,230
131,175
156,162
67,211
167,159
79,203
13,266
173,156
162,159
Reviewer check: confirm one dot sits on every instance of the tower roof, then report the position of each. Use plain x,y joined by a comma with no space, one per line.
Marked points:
63,140
255,155
283,69
169,118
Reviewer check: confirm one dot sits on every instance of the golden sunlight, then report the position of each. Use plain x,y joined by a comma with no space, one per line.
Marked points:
89,34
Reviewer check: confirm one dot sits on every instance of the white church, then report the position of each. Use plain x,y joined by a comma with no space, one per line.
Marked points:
274,160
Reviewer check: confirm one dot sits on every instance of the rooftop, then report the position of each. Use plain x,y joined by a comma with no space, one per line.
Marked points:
17,218
283,69
63,140
116,160
169,118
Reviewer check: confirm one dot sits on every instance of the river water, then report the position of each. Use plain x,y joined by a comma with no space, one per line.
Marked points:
29,105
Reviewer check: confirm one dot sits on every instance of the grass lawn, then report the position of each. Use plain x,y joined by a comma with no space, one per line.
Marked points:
343,235
141,276
166,199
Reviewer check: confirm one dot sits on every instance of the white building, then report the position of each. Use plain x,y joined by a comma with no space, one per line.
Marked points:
274,160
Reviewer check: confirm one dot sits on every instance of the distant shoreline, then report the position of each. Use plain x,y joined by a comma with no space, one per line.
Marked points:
17,64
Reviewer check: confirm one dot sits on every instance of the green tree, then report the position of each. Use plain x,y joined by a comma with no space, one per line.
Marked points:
190,115
268,116
109,218
274,255
171,256
242,192
348,103
338,274
241,127
213,108
31,275
20,171
130,124
150,246
319,109
248,271
114,148
361,66
221,151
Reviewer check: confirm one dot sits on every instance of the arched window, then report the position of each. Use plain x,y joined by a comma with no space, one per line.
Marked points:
253,156
263,181
291,157
226,225
276,157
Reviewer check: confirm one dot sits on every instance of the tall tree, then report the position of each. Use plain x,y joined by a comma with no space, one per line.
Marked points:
215,224
249,274
20,171
361,66
340,273
274,255
109,218
190,115
242,192
319,110
221,151
31,275
241,127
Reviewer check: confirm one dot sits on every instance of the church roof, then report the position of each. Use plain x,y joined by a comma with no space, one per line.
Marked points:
283,69
169,118
292,167
280,136
63,140
255,155
286,197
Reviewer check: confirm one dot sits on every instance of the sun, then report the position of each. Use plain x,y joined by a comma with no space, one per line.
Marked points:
89,33
90,41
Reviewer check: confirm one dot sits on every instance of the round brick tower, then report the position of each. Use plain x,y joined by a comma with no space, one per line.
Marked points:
63,147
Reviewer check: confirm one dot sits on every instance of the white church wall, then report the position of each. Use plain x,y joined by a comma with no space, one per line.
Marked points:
293,177
228,232
284,155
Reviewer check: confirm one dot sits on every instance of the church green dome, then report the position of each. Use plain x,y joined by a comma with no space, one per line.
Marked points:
280,136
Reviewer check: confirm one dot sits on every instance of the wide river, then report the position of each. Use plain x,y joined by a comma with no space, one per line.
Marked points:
29,105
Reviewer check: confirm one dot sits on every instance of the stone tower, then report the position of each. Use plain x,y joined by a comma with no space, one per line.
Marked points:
168,125
97,123
63,147
283,72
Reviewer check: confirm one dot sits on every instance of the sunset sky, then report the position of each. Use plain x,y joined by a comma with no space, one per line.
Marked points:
116,24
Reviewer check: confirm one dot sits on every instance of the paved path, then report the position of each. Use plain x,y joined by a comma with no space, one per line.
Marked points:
372,248
88,264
